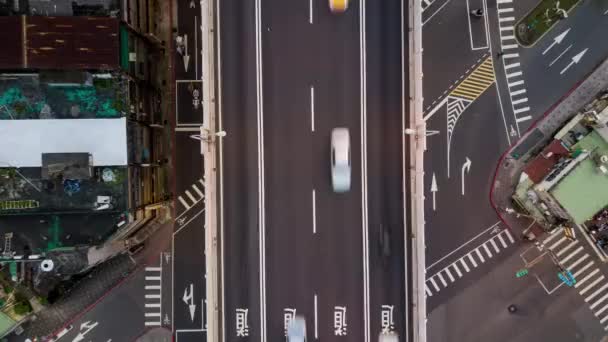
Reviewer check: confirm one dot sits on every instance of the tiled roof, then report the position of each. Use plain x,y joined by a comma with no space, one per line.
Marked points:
541,165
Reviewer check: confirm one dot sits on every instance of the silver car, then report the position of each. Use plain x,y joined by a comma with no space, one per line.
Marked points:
340,159
296,330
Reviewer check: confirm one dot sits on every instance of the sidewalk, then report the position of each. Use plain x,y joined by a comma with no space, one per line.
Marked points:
85,293
540,134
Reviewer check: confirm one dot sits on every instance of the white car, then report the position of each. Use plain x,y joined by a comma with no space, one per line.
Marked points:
390,337
296,330
340,159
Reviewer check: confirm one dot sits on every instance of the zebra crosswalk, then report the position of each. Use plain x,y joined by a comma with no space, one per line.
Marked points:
153,295
193,195
468,262
590,282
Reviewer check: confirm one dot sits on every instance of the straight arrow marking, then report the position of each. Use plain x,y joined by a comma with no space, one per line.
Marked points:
466,167
186,56
557,40
577,58
434,190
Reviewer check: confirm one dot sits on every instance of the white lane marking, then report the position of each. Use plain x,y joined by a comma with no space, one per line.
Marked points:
364,217
152,305
485,246
426,289
600,311
522,110
435,109
198,191
200,180
505,10
479,255
310,15
316,320
512,65
515,74
522,100
152,296
183,202
434,284
502,241
523,118
447,271
596,292
442,280
152,278
464,264
261,186
518,92
510,46
516,83
457,270
510,55
314,213
152,314
504,1
560,55
599,301
553,234
189,194
505,19
571,255
558,242
567,248
575,263
495,246
604,320
464,244
153,269
472,260
312,108
506,28
590,286
583,269
508,234
587,277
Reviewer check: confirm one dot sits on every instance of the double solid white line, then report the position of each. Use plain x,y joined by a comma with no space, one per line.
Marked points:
261,197
364,223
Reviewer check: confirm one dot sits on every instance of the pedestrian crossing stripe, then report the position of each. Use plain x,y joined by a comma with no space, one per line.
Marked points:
477,82
468,261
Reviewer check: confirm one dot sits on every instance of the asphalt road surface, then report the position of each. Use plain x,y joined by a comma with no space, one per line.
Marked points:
188,240
291,246
481,102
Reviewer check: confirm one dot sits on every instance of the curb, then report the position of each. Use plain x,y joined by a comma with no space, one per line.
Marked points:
530,129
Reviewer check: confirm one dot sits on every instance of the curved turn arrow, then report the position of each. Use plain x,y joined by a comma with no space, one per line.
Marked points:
465,167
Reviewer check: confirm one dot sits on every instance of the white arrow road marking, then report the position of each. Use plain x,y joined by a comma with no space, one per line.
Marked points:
434,190
186,55
86,325
557,40
577,58
465,167
188,299
192,4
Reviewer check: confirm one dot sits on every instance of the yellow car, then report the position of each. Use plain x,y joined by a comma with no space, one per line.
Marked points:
338,6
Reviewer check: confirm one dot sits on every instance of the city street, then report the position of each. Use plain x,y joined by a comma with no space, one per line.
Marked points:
290,74
188,240
481,99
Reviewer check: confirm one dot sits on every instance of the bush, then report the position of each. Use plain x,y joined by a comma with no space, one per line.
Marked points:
22,308
8,289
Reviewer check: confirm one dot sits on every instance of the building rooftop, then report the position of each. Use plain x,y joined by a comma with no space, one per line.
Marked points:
542,164
104,139
61,95
40,42
583,192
